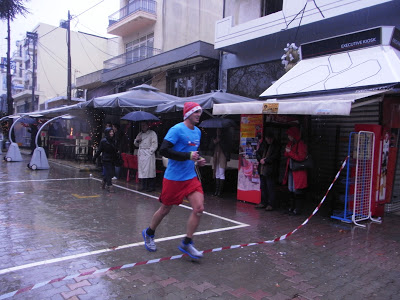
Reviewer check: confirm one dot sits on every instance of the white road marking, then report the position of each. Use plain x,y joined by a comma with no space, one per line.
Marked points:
45,180
65,258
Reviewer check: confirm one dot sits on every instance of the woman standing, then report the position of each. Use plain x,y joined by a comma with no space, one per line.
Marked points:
147,142
295,149
221,156
108,155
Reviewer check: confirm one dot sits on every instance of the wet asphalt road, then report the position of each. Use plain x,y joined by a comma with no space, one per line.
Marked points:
62,237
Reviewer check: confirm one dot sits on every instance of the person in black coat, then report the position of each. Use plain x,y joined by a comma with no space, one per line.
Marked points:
268,157
108,153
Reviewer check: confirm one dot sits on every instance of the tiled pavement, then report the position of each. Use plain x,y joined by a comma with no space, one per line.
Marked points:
42,218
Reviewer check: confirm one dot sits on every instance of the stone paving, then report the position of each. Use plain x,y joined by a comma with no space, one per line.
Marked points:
62,214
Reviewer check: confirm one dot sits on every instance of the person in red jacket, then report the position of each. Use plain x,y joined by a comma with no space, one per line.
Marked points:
296,180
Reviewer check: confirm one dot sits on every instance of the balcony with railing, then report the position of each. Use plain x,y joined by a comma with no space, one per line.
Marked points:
17,57
16,79
129,57
136,15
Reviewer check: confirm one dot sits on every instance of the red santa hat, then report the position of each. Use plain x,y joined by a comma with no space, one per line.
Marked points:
189,108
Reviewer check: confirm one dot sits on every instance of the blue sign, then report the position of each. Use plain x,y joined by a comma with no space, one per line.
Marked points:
4,64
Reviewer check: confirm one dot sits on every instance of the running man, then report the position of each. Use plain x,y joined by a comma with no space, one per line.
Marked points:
180,179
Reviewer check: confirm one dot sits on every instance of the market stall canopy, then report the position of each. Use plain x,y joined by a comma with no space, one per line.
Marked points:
61,99
365,59
206,101
333,104
58,111
48,113
139,97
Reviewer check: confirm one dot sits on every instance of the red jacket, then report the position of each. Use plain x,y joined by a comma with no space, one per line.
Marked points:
298,152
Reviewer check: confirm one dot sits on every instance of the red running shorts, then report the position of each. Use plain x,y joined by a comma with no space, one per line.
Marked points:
173,192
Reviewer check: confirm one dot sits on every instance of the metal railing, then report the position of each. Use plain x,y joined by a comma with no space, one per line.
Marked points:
129,57
149,6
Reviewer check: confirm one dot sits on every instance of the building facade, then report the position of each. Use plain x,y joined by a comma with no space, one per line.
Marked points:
41,65
168,44
255,37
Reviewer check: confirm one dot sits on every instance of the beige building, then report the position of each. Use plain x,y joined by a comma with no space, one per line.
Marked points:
51,65
168,44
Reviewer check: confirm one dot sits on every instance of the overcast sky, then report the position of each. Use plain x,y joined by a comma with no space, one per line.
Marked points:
93,21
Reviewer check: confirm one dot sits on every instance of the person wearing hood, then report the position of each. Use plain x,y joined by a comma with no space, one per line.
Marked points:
295,149
108,153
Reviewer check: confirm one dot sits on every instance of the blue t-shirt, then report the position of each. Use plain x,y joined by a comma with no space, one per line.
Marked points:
184,140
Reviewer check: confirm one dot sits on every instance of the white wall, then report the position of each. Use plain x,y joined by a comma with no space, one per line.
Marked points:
87,55
180,23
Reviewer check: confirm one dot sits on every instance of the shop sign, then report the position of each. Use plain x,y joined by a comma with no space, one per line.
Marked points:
357,40
270,108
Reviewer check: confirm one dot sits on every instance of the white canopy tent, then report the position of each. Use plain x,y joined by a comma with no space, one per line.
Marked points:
330,84
334,104
368,58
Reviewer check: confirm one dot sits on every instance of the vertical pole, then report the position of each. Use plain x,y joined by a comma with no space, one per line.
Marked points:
33,37
33,72
10,102
69,60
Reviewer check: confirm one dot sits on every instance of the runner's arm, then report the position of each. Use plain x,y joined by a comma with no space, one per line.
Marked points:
167,151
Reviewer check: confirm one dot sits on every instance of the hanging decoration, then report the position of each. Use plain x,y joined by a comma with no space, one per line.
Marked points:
291,56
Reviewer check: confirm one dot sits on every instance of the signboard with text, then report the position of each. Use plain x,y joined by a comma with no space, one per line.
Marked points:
251,130
357,40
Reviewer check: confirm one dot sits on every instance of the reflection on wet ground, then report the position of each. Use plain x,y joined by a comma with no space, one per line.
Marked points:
58,222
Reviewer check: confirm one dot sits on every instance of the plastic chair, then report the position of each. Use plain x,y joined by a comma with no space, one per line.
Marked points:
125,165
133,164
130,163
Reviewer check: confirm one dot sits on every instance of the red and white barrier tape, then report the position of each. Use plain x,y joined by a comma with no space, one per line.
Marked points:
157,260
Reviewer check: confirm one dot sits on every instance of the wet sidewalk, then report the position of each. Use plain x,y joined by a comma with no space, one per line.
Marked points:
62,237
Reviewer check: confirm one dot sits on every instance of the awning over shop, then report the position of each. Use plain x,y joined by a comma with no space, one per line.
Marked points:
140,97
333,64
206,101
47,113
54,112
62,99
333,104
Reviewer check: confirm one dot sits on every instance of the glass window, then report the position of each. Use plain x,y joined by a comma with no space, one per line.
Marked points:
193,83
251,81
199,84
140,49
270,6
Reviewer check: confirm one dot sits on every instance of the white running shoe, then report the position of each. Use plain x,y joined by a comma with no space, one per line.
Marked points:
190,250
149,241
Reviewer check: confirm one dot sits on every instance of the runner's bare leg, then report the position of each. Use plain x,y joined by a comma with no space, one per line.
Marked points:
159,215
196,200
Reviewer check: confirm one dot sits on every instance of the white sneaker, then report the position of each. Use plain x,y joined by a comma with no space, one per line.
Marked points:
114,178
149,241
190,250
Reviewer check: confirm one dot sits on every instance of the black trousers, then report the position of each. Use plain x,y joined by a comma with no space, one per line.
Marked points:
108,172
267,185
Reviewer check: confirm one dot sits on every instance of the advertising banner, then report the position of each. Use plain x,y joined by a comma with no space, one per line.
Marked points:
251,131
